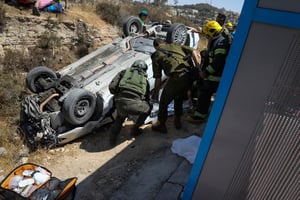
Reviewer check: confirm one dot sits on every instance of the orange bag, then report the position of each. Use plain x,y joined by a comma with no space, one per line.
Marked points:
30,181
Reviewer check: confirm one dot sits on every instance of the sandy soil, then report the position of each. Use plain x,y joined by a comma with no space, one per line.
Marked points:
91,157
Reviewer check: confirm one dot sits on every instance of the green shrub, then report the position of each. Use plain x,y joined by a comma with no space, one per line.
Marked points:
14,61
49,40
11,92
109,12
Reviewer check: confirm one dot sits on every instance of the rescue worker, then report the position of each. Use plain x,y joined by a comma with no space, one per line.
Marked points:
221,18
231,28
131,97
211,70
143,16
172,60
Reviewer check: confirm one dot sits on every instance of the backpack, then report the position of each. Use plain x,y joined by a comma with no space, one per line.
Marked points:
55,7
134,80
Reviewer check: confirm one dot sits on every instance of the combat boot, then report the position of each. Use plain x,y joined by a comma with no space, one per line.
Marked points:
177,122
136,131
160,127
197,118
113,139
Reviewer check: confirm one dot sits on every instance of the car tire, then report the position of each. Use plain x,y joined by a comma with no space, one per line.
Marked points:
177,33
35,74
131,25
79,106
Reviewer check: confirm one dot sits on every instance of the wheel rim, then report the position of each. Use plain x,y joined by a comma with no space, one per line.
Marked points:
180,35
133,28
82,107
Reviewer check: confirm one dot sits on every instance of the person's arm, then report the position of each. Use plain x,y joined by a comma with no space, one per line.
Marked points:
196,58
156,89
114,84
194,30
157,74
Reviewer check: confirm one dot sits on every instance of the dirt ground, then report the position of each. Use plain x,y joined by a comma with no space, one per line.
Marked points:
91,157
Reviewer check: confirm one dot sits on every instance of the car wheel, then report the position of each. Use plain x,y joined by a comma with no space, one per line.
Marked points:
79,106
35,75
177,33
131,25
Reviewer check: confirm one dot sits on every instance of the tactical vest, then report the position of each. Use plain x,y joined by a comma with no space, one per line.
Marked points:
174,59
134,80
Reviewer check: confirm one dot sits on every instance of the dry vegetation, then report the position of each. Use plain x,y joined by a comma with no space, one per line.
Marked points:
12,88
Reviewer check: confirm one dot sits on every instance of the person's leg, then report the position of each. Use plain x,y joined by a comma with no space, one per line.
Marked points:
204,101
116,128
177,111
35,9
165,99
205,97
141,109
183,85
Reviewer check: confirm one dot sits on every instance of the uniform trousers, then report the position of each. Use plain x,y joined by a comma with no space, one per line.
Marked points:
176,89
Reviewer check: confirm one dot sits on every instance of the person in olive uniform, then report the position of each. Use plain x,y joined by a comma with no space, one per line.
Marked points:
212,69
131,97
172,60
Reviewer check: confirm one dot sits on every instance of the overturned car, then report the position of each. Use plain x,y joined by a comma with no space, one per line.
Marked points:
69,103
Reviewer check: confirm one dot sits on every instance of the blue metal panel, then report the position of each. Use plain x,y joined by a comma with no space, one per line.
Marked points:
250,13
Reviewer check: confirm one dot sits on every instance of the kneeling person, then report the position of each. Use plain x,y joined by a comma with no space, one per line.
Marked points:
131,95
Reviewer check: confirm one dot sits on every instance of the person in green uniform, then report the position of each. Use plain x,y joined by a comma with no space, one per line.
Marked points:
143,16
131,97
172,59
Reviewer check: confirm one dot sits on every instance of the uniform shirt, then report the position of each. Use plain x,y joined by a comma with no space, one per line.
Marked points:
170,58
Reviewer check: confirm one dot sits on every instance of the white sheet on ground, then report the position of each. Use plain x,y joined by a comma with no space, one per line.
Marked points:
186,147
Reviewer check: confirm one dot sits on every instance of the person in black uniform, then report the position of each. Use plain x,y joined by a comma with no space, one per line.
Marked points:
211,71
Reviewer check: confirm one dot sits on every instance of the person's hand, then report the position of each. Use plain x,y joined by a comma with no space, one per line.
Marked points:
154,96
194,30
153,101
203,74
204,54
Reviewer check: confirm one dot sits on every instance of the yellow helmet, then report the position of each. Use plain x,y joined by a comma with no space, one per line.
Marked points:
229,25
212,28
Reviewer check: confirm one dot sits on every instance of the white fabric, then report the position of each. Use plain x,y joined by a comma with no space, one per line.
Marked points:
186,147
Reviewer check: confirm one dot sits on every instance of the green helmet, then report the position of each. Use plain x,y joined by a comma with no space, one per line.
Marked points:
140,64
144,12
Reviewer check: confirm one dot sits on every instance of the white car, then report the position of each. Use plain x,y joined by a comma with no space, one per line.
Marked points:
73,101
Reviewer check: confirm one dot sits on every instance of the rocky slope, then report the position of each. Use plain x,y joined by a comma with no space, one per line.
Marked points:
70,33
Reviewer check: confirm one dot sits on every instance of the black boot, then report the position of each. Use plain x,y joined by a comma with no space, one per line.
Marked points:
177,122
115,130
160,127
113,139
136,131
